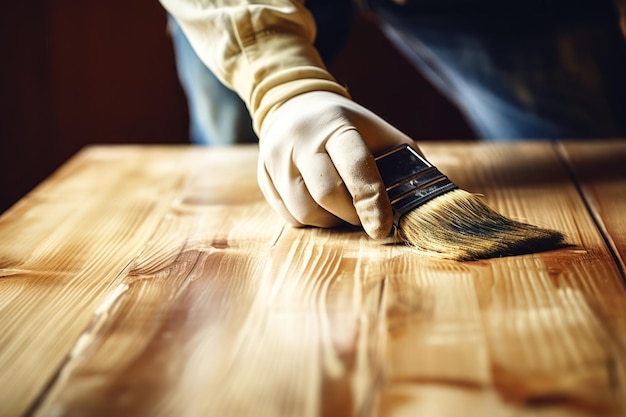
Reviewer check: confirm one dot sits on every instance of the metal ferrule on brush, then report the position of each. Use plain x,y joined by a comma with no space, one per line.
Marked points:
410,180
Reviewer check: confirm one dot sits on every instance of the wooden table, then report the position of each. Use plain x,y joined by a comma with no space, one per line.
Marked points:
155,281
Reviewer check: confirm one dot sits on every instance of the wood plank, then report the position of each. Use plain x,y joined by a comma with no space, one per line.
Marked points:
220,309
228,312
62,249
600,169
541,334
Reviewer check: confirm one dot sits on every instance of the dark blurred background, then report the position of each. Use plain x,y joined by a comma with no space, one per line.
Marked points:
78,73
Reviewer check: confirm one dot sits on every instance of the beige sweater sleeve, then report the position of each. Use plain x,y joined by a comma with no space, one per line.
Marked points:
263,50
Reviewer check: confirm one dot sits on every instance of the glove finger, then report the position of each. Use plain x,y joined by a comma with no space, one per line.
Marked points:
294,203
326,186
272,196
356,166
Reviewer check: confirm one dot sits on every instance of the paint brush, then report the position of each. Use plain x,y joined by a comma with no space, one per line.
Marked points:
438,218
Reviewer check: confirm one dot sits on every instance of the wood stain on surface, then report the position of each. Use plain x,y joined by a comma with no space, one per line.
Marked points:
153,299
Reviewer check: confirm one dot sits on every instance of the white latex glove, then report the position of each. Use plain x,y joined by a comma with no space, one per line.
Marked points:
316,164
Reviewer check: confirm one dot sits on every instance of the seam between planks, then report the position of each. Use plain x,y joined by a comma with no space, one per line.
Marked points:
562,156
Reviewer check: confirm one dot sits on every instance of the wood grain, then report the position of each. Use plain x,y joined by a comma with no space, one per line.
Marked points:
242,319
63,249
173,289
504,336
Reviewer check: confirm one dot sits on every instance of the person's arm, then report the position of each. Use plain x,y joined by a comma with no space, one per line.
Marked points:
316,165
263,50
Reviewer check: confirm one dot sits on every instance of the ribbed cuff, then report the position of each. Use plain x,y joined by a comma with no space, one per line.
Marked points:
279,88
275,65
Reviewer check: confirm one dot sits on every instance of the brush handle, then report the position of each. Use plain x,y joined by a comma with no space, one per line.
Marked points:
410,180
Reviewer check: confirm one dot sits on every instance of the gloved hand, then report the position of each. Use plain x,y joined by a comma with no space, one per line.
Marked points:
316,165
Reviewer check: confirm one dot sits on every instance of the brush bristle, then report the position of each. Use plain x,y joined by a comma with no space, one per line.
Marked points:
459,225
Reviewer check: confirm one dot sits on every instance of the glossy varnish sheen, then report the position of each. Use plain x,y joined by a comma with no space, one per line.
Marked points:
147,281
